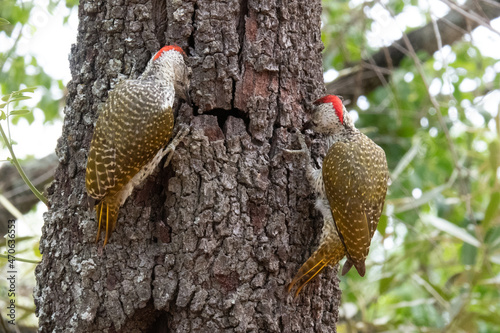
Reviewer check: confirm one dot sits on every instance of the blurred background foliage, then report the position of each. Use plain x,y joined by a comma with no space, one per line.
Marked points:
19,70
434,265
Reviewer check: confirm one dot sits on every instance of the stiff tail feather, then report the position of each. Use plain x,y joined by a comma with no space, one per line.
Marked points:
360,267
329,253
107,214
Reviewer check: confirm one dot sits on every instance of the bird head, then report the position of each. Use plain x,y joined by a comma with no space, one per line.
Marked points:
330,116
170,64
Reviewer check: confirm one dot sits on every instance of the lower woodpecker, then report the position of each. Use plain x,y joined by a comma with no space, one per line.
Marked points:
351,187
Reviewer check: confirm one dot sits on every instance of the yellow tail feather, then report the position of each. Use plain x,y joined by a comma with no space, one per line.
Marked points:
106,212
329,253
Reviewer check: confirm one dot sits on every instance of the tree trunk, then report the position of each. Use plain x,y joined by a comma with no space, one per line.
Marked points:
211,242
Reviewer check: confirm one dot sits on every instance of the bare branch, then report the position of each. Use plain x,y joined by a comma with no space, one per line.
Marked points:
41,172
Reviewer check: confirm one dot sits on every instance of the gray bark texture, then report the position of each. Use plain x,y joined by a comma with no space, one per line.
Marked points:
210,243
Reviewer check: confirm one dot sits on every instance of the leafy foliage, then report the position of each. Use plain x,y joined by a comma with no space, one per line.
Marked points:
434,264
13,98
17,70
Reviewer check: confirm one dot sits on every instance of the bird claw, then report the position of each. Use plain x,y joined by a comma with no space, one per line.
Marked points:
170,149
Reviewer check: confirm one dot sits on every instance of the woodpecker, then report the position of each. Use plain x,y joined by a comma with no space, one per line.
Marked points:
132,130
351,187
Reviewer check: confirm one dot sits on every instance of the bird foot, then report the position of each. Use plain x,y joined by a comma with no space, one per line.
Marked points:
303,147
170,149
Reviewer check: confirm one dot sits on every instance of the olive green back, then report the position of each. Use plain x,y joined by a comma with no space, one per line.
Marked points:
355,175
135,122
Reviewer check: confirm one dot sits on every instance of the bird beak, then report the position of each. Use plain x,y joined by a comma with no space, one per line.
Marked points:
308,125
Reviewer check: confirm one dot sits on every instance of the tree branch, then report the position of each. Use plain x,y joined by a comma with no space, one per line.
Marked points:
41,172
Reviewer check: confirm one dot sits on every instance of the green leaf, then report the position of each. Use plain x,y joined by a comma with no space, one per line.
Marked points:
5,98
382,224
492,318
468,254
451,229
36,249
494,148
2,115
3,22
29,89
20,98
385,284
71,3
491,210
493,236
19,112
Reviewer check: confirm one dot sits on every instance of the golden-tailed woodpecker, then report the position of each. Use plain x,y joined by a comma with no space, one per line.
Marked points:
132,132
351,188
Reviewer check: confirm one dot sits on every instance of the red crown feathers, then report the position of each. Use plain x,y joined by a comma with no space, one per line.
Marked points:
337,105
168,48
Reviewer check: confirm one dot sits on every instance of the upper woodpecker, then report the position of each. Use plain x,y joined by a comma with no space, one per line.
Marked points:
130,135
351,188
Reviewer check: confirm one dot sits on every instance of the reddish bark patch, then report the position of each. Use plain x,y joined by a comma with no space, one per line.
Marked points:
292,114
229,282
257,217
111,281
251,27
162,232
210,127
254,84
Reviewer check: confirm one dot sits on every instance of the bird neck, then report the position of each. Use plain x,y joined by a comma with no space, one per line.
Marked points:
161,72
346,134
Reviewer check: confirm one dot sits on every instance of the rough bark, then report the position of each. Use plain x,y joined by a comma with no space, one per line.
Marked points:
210,243
365,76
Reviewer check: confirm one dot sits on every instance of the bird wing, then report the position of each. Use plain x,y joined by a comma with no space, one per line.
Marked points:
354,174
135,123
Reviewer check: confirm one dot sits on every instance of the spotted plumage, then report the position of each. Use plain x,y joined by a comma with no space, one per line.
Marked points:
355,176
133,128
351,188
